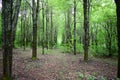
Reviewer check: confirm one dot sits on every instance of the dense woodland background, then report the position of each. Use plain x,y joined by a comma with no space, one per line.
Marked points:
78,27
59,26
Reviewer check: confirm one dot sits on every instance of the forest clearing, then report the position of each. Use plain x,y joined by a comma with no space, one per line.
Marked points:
55,65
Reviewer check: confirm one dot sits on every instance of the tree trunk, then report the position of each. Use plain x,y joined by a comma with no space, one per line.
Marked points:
118,33
108,29
35,16
74,27
55,35
24,39
96,39
24,29
38,31
65,31
15,18
7,38
68,29
21,41
43,28
51,31
47,20
86,6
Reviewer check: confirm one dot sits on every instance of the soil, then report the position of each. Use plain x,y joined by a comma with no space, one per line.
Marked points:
55,65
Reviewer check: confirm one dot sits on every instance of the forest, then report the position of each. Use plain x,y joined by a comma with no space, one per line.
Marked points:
60,40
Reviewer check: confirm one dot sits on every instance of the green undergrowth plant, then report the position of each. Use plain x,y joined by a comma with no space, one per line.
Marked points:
68,48
65,48
6,78
118,79
34,58
89,77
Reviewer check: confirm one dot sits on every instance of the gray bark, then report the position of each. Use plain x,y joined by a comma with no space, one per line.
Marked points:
118,33
43,28
68,28
86,6
15,17
35,10
74,27
7,39
47,20
51,30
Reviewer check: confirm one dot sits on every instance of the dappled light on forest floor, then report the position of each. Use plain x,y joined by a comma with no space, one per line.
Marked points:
59,66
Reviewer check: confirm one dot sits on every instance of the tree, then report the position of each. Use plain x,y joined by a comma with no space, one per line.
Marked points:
15,13
109,35
118,33
51,29
86,6
55,35
7,38
43,27
68,28
47,22
35,10
74,27
24,28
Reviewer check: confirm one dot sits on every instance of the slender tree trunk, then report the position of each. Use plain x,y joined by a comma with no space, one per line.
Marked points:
7,38
55,36
35,16
24,33
38,31
91,36
15,18
96,39
118,33
74,27
21,41
47,20
108,29
86,28
43,28
51,31
65,31
34,42
68,29
24,27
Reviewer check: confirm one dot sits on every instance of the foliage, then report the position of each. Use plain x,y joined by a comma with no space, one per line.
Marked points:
101,12
89,77
34,58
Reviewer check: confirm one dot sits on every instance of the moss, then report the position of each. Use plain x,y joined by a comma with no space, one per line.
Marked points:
34,58
6,78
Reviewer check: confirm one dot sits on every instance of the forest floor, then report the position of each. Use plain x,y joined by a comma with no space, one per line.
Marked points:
55,65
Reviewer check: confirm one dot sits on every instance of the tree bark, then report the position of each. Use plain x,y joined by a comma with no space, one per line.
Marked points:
51,30
47,20
43,28
86,28
68,29
64,35
15,18
35,10
74,27
96,39
118,33
7,39
108,29
55,35
21,32
24,29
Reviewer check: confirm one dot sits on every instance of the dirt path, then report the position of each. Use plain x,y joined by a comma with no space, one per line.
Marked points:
59,66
